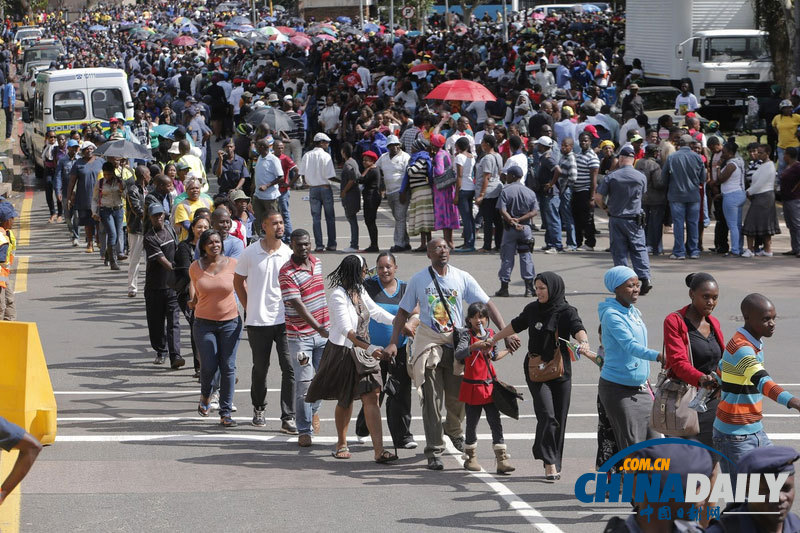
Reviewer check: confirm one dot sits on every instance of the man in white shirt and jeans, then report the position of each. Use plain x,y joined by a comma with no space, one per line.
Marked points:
259,290
268,172
316,169
392,166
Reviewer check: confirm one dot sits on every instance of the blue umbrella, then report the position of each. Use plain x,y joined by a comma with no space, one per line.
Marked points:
414,33
372,27
344,20
98,27
189,28
164,130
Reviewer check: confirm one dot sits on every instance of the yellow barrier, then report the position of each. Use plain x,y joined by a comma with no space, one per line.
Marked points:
26,393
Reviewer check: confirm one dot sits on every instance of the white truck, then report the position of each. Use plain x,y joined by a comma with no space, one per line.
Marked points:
710,42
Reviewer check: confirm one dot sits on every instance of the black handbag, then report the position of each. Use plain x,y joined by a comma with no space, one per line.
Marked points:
446,179
504,396
461,336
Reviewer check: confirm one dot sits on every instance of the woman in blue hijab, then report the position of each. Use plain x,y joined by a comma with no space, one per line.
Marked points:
624,389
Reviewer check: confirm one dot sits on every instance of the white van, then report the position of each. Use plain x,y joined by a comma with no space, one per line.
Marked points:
551,10
67,99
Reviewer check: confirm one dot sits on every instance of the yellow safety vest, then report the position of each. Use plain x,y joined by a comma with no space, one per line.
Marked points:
7,237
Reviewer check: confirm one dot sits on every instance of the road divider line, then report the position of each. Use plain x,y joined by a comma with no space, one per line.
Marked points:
24,237
21,279
10,510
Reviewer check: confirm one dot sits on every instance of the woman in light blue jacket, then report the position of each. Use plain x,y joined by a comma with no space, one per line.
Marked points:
624,390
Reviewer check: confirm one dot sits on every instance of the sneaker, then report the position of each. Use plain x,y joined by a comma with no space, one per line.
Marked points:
747,253
586,248
551,250
131,294
409,445
159,360
258,417
177,363
289,427
571,249
234,408
435,463
75,243
304,440
227,422
762,253
363,439
694,256
350,250
213,403
677,257
465,250
458,443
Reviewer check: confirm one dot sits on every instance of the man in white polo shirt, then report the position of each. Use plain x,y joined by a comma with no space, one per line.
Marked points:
392,166
316,169
257,286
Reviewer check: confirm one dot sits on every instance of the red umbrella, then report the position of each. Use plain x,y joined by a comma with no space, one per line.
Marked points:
461,90
184,40
286,30
422,67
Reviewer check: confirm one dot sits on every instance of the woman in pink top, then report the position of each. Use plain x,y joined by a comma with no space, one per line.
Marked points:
216,322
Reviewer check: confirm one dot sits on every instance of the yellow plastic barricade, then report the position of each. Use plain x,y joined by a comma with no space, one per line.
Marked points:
26,393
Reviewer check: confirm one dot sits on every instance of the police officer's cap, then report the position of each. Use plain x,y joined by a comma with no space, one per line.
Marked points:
514,172
771,459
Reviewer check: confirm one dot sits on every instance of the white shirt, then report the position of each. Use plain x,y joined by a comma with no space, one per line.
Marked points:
623,131
480,111
317,167
392,170
261,268
450,143
268,168
366,77
329,117
763,179
344,315
235,98
479,137
467,165
517,160
735,181
386,85
684,104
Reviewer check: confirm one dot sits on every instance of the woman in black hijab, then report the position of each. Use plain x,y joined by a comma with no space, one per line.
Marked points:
550,383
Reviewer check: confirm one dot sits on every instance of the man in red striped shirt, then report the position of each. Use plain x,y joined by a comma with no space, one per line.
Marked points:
303,292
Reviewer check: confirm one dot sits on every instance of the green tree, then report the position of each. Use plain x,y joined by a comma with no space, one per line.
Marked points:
776,17
468,8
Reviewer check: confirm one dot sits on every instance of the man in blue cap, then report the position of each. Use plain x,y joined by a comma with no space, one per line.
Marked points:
517,205
766,517
624,189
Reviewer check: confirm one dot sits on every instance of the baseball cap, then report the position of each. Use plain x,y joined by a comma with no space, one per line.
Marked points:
591,130
247,94
273,97
392,139
182,165
238,194
544,140
370,154
7,211
627,151
288,98
636,138
155,209
88,144
321,137
514,172
72,142
786,103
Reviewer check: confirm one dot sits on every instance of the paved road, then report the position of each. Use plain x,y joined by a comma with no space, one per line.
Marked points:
131,453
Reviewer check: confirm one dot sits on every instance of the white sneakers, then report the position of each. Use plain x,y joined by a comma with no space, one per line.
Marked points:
747,253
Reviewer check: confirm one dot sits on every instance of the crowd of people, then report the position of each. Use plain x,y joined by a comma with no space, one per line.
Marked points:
216,229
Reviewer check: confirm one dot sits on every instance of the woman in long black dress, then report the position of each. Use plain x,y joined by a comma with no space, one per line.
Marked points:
547,319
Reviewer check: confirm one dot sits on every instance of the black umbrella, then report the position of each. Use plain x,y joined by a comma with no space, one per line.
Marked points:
226,6
291,62
124,150
276,119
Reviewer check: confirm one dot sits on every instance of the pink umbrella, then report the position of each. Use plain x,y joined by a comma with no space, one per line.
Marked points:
301,40
184,40
326,37
461,90
286,30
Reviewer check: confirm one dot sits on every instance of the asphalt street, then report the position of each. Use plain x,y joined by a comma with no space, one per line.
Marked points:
133,455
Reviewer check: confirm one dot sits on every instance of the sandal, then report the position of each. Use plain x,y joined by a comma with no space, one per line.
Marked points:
228,422
386,457
342,453
203,408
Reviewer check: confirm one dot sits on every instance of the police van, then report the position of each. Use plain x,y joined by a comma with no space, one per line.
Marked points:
70,99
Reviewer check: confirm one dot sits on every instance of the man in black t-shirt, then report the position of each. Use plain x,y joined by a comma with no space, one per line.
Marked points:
161,302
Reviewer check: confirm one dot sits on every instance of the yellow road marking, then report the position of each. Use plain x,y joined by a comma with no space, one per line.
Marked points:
9,511
21,281
25,222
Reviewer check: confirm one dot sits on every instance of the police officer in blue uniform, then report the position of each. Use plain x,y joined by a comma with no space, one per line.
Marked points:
517,205
766,460
624,189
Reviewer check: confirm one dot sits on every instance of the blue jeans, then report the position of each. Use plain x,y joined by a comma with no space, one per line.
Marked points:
465,199
217,342
508,250
112,223
734,447
283,204
688,214
309,348
732,204
549,204
322,198
565,212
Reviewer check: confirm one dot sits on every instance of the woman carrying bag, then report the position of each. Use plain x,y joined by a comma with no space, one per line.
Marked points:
547,367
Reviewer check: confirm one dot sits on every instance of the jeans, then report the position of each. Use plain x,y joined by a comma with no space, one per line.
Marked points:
791,214
112,223
688,214
734,447
583,217
283,205
352,219
492,223
627,238
261,339
50,192
310,347
549,204
465,199
565,213
322,198
721,228
732,204
136,244
492,417
654,214
72,223
400,213
509,249
217,342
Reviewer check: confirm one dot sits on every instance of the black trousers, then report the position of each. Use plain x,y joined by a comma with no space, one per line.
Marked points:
583,218
261,339
188,314
492,223
163,321
492,417
372,200
9,121
721,227
551,405
398,407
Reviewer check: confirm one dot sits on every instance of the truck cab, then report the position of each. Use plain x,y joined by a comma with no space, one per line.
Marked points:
727,66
